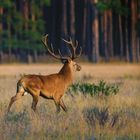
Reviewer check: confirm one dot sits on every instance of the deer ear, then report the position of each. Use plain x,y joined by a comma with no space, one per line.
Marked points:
69,60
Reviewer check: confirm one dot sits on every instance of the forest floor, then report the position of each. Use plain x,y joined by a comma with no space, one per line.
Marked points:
116,117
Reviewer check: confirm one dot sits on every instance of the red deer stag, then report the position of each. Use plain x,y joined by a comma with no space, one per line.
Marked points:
51,86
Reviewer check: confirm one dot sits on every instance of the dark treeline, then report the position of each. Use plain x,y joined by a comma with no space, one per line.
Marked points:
107,30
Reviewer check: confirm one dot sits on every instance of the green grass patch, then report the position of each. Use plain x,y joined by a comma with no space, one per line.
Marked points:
99,89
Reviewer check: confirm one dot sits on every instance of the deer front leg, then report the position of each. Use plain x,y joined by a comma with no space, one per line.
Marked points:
63,105
57,103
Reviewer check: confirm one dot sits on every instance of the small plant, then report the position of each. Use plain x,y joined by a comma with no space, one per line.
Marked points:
95,114
21,117
102,88
101,116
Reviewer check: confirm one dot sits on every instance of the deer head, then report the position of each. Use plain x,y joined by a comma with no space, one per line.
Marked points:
72,46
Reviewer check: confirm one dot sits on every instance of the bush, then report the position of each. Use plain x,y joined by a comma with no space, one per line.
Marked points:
21,117
102,88
101,116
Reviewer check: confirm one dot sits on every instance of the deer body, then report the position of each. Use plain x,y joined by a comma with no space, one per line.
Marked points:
51,86
58,82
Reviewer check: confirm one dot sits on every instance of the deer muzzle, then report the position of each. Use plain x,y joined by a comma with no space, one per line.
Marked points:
78,68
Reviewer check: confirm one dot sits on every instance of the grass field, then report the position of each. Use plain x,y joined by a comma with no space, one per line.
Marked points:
116,117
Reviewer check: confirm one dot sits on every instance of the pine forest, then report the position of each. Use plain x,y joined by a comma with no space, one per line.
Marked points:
107,30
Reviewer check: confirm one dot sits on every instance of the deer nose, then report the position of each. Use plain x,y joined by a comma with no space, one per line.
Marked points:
78,68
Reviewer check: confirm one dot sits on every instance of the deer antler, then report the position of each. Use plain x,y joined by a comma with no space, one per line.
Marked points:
73,48
51,51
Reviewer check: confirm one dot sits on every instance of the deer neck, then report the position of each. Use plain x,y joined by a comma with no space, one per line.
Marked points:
67,74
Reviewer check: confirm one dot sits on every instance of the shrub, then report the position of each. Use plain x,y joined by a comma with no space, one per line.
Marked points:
101,116
20,117
102,88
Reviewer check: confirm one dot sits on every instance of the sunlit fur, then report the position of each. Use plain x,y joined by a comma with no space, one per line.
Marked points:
48,86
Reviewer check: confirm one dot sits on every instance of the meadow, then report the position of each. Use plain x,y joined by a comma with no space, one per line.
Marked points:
113,117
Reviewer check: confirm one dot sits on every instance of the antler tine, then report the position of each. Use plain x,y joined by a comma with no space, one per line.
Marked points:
73,48
70,53
79,53
70,43
76,44
52,48
60,53
51,52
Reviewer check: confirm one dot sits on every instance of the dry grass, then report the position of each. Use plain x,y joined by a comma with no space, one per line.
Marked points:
82,121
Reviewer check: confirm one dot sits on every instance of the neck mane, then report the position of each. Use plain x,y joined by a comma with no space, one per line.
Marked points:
66,72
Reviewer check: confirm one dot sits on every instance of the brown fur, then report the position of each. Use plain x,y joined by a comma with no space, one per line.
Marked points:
50,86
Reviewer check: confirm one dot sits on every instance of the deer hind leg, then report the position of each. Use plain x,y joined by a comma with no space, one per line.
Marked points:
34,103
19,94
35,94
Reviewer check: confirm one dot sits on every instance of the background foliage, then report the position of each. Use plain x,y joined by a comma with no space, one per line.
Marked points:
106,29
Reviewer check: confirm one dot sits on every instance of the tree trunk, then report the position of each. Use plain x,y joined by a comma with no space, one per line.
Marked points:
137,38
53,14
33,16
105,36
84,24
1,29
89,21
1,13
129,32
126,40
35,55
25,13
121,38
9,37
95,34
26,26
1,56
29,58
64,28
138,34
133,20
138,49
64,20
110,38
72,18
